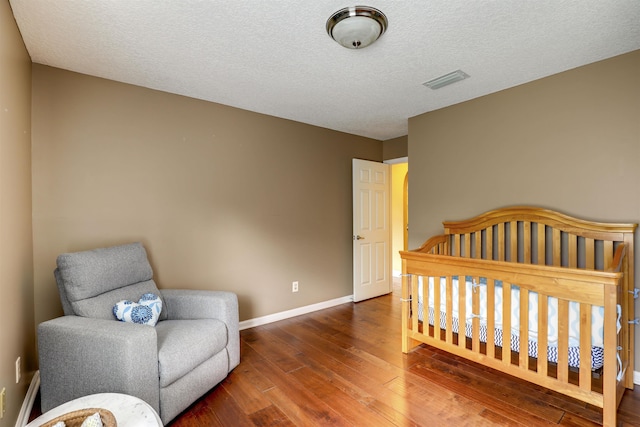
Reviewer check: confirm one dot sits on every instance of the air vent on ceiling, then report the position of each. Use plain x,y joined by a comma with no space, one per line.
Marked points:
447,79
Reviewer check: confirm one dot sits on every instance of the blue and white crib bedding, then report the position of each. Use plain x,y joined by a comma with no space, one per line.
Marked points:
597,353
597,320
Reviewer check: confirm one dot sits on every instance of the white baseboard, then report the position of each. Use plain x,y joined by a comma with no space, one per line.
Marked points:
29,399
636,377
246,324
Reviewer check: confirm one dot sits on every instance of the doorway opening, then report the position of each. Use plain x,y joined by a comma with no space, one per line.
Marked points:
399,212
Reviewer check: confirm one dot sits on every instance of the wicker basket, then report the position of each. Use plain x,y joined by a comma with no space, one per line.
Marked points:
75,418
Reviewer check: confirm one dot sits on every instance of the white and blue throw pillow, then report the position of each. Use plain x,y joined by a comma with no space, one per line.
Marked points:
145,312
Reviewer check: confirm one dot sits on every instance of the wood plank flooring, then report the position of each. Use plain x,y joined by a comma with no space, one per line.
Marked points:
343,366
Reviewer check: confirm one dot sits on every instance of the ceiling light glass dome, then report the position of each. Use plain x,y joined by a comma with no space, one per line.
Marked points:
357,26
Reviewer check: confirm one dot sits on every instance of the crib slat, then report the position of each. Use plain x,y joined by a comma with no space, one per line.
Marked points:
491,318
414,303
478,242
526,227
543,338
563,340
489,243
557,256
456,244
501,242
467,245
425,305
462,308
475,309
573,251
524,329
436,307
506,323
585,346
589,253
541,238
449,318
608,253
513,241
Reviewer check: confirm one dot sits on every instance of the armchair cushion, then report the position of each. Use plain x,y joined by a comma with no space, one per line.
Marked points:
93,281
183,304
181,347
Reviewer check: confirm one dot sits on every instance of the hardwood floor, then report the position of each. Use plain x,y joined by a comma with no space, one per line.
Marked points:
343,366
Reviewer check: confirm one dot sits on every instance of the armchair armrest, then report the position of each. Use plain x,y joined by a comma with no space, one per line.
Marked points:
80,356
199,304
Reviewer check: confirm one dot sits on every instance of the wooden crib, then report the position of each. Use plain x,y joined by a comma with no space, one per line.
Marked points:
514,256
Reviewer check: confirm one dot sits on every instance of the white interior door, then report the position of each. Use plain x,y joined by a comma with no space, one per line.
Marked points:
371,229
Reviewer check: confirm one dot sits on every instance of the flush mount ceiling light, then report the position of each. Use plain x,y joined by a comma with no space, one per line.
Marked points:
447,79
357,26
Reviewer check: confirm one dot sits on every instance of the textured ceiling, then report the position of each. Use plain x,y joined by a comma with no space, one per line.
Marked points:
274,57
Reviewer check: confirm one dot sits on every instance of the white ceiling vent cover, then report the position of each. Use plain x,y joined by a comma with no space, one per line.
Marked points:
447,79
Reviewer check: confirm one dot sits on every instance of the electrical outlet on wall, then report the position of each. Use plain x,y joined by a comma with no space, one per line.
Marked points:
294,286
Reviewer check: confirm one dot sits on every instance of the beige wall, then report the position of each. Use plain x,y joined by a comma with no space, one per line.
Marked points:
569,142
222,198
395,148
16,267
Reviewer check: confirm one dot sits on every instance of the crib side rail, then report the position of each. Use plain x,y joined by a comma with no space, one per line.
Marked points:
564,282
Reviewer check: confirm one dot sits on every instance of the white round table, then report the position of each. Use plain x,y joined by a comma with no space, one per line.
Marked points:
129,411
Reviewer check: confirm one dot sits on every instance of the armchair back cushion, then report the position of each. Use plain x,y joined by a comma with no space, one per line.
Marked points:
92,282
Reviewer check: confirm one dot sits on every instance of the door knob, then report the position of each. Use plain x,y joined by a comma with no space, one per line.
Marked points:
357,237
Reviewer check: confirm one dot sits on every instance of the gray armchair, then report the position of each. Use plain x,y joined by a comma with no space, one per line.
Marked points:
193,346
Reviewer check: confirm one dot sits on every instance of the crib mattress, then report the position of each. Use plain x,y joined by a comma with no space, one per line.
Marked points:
597,353
597,314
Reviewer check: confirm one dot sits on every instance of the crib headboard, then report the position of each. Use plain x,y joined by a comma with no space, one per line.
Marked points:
534,235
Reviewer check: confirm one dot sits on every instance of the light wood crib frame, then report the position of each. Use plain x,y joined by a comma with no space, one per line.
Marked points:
533,250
